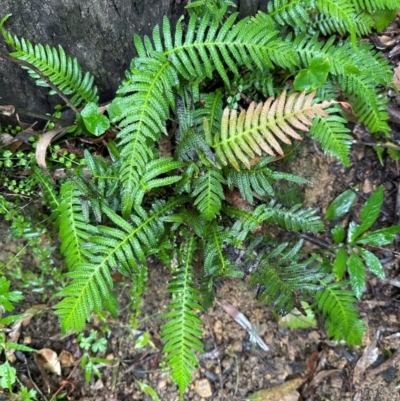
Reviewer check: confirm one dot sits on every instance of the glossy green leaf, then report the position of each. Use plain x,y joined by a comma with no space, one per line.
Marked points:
356,270
95,122
339,264
369,212
372,262
19,347
314,76
338,234
381,237
340,205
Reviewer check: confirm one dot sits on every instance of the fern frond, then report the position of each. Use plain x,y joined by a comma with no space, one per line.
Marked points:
280,273
374,5
338,307
296,218
182,331
246,136
209,193
121,248
350,70
293,13
258,180
341,16
333,135
48,190
74,229
216,262
63,71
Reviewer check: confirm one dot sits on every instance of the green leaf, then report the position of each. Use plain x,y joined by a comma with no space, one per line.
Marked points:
340,205
372,262
338,234
7,376
357,274
148,390
95,122
115,109
339,264
296,320
369,212
19,347
314,76
381,237
7,296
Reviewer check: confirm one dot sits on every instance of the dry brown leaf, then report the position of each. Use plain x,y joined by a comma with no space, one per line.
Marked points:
369,356
66,359
48,359
396,77
44,143
284,392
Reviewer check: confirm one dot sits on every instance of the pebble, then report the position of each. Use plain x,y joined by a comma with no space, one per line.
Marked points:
203,388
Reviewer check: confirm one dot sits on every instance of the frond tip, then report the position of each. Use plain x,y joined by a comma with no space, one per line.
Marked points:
256,129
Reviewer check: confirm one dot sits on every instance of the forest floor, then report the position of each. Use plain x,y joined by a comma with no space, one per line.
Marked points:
310,366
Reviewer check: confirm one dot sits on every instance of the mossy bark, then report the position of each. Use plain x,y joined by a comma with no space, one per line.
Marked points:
98,33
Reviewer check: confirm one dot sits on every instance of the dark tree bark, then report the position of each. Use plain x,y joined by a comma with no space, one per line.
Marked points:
98,33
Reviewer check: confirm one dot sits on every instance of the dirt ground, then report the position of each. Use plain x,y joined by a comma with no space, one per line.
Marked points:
313,367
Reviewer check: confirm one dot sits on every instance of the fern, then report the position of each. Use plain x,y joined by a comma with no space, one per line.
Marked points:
280,274
122,248
63,71
209,193
258,180
183,330
246,136
337,306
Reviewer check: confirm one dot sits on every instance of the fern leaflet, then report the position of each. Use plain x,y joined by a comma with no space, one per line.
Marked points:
183,330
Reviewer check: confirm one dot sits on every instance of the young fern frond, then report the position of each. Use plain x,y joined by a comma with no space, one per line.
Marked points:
63,71
182,331
50,194
374,5
279,273
246,136
209,193
338,308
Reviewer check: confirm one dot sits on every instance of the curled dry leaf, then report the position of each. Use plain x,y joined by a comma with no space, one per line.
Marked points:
66,359
44,143
284,392
48,359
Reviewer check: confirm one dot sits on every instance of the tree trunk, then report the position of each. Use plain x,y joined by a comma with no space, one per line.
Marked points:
98,33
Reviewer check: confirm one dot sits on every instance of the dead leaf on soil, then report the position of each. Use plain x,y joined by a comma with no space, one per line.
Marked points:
396,77
244,322
284,392
44,143
66,359
369,356
48,359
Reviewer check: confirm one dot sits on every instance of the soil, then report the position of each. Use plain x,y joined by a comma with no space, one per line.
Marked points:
313,367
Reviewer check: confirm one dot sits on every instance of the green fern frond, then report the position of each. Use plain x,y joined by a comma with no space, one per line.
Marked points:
48,189
246,136
374,5
280,273
383,18
209,193
338,307
258,180
293,13
333,135
341,16
296,218
182,331
216,262
121,248
63,71
74,229
350,70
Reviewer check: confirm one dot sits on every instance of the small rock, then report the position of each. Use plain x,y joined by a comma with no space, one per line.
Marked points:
203,388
